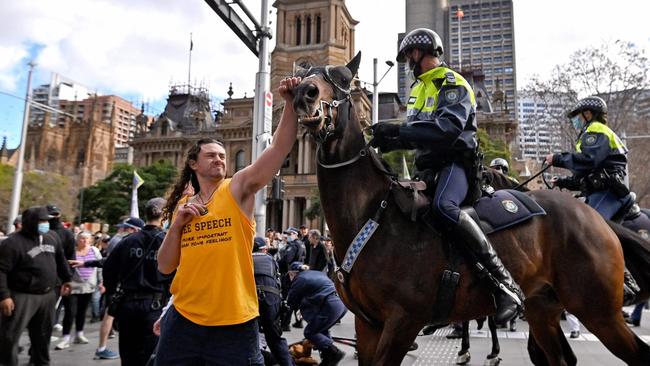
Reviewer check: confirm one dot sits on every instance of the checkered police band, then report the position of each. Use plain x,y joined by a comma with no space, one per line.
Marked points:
421,38
592,103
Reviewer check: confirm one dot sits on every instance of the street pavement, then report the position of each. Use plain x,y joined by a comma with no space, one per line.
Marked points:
434,349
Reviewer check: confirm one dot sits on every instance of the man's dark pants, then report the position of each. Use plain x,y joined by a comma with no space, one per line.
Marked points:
34,312
270,323
183,343
320,322
135,319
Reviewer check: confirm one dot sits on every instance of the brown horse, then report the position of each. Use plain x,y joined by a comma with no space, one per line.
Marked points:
393,284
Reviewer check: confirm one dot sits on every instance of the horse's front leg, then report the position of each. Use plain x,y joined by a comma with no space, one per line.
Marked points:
367,339
396,339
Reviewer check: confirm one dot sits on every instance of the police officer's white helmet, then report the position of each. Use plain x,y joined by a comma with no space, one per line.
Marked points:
592,103
500,164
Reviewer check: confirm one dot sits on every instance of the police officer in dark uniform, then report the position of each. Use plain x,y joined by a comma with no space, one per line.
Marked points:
599,162
31,261
67,237
441,126
267,280
314,294
598,165
133,266
294,251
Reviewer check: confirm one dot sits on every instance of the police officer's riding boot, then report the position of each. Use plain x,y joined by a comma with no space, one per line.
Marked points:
507,295
630,288
331,356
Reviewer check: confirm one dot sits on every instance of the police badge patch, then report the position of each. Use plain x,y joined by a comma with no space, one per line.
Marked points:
590,139
644,234
451,95
510,206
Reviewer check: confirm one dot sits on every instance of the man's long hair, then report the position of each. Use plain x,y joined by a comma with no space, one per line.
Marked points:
187,176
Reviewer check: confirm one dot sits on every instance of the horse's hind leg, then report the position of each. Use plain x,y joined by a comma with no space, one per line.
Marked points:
543,315
396,339
367,339
609,326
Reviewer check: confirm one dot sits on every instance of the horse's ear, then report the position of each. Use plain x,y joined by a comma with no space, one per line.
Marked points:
353,65
300,71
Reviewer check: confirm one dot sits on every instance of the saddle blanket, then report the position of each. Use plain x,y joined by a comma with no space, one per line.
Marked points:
505,208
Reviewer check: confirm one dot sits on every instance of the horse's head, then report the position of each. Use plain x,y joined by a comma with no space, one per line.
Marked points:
322,90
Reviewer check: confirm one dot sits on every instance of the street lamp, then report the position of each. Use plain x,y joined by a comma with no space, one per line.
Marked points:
375,96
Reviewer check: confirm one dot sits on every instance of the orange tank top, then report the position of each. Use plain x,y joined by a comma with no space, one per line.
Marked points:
214,282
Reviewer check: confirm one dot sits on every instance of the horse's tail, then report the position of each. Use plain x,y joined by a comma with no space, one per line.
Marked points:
636,251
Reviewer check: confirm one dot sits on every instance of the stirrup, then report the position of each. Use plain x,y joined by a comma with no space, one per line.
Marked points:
511,294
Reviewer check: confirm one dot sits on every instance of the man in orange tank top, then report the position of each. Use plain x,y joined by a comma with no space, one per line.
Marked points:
214,316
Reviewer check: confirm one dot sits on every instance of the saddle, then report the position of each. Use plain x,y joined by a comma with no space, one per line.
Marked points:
494,211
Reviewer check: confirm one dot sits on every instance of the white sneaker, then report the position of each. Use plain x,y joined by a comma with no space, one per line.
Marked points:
53,339
62,345
80,339
58,327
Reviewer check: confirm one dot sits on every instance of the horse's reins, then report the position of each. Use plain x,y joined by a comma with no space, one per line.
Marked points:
535,176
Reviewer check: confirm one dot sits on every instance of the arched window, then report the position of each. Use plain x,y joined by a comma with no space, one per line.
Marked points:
240,160
298,30
308,30
164,128
318,30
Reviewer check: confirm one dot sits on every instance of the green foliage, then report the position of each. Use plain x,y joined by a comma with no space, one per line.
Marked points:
314,211
110,199
394,160
38,188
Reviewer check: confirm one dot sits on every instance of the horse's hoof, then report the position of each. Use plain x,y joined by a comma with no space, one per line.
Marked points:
413,347
492,361
463,359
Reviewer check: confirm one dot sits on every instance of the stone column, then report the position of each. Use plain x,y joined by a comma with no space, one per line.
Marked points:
292,211
307,157
301,144
285,214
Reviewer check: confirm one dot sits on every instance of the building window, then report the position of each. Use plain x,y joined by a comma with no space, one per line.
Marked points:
308,30
318,29
240,160
298,30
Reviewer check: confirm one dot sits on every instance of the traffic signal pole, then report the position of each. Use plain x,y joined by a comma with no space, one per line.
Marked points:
262,113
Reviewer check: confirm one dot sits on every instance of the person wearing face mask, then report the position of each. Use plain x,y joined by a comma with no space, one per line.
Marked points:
599,162
31,261
441,127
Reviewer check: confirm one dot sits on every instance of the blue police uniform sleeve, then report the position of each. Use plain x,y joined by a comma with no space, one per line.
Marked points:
595,150
453,111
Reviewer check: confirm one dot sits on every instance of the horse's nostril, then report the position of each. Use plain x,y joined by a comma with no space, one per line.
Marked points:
312,92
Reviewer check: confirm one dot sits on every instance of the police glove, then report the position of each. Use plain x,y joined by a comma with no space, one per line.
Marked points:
384,130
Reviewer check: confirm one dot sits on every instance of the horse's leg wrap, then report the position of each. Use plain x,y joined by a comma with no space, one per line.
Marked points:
508,295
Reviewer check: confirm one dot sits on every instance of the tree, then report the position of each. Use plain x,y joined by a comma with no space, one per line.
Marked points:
618,73
109,199
39,188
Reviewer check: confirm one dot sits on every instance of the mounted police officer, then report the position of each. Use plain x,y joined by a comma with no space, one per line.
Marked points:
599,162
441,126
598,165
270,300
133,267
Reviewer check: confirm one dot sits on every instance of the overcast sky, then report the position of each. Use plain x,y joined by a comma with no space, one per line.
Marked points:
135,49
